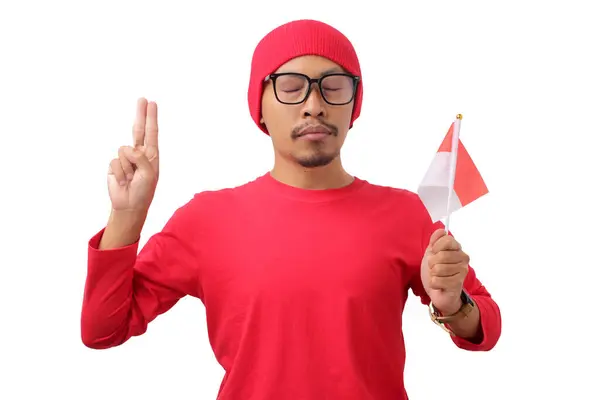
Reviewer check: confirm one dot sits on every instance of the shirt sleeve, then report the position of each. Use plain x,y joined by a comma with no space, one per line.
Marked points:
491,321
125,291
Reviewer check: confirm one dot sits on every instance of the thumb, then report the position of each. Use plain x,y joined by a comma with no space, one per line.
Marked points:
139,159
435,236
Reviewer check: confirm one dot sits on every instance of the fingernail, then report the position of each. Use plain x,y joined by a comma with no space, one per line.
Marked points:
122,183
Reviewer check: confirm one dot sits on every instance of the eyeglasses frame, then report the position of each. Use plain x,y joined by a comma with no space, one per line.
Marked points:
311,81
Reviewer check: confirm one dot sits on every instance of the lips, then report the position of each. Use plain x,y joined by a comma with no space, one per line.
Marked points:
319,130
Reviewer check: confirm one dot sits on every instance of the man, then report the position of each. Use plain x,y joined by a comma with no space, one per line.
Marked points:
305,271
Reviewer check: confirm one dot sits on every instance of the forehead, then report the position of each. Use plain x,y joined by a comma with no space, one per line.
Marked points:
311,66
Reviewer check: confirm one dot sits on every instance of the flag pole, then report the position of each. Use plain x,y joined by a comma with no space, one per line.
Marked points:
453,158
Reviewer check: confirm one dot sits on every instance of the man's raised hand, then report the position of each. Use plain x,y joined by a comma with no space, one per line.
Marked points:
133,174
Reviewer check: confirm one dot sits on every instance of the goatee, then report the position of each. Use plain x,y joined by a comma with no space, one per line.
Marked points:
318,160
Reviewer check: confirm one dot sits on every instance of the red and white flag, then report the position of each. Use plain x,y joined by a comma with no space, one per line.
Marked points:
452,180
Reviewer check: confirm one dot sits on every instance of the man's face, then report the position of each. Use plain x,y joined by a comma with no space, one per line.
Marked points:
290,125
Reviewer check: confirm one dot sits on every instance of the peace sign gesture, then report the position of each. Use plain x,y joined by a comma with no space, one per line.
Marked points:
133,175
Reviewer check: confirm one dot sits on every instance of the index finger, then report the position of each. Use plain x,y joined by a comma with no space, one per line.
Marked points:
152,125
139,124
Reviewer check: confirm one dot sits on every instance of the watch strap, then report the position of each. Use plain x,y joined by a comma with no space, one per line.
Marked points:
465,309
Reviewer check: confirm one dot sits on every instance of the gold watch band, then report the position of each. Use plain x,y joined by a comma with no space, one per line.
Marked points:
442,320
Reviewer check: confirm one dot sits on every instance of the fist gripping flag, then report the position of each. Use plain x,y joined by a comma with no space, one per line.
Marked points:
452,180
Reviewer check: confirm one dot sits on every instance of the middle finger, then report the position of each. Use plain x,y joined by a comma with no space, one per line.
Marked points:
139,125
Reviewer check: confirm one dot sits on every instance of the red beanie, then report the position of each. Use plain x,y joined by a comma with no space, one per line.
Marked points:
294,39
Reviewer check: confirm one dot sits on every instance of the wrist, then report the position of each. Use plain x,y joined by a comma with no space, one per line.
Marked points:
123,229
450,308
455,320
127,217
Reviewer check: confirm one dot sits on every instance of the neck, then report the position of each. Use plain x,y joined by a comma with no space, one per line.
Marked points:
331,176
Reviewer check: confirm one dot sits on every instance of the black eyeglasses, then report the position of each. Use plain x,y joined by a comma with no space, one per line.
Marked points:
336,89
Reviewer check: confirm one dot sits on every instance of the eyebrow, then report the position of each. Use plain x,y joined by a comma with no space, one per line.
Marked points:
332,70
327,71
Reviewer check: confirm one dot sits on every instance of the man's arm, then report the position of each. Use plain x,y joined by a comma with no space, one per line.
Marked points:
481,330
125,291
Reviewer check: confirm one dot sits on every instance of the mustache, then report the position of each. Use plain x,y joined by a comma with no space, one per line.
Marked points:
297,131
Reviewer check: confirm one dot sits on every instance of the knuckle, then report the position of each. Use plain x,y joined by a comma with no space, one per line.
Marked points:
123,149
117,171
439,258
138,155
432,261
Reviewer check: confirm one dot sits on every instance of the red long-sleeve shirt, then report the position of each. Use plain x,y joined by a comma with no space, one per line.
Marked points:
304,289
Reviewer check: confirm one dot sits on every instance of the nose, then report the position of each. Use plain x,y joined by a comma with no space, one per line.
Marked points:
314,106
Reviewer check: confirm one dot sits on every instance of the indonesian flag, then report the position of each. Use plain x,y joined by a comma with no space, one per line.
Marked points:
452,180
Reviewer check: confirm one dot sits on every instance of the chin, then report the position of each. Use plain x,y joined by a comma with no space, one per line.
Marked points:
316,160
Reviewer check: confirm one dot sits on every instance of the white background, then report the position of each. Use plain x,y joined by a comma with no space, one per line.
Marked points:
525,75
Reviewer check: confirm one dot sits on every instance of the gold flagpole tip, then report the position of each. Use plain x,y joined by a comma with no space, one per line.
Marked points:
458,116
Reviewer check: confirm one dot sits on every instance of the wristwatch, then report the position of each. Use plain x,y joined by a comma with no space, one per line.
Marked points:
441,320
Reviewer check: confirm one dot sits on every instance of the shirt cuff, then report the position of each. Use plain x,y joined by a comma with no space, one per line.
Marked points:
125,255
94,245
490,320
